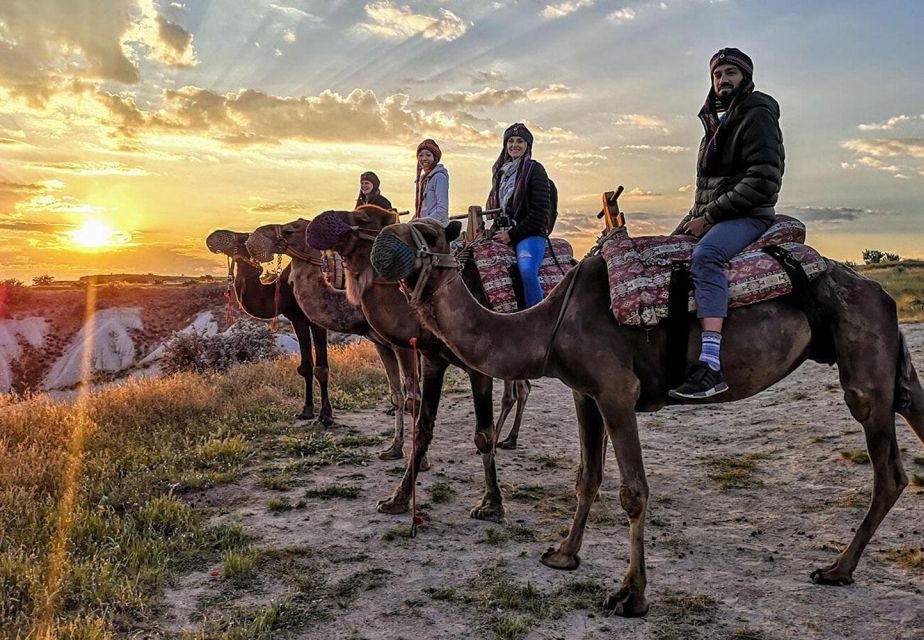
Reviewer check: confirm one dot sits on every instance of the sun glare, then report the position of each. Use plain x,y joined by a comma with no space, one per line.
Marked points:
96,234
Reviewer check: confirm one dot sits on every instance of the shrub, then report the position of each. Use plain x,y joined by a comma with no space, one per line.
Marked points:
874,256
247,341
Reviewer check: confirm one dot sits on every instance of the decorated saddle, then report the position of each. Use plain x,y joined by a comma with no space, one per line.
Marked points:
497,266
332,268
639,270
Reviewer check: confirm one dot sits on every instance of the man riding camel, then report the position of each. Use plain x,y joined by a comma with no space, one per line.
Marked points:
738,175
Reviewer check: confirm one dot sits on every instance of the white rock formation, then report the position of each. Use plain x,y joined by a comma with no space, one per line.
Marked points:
32,330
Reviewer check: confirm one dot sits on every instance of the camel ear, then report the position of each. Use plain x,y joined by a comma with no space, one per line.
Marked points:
453,230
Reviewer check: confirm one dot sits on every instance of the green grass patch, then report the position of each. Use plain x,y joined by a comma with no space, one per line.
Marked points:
316,450
527,492
441,492
330,493
507,533
856,456
238,565
277,482
734,472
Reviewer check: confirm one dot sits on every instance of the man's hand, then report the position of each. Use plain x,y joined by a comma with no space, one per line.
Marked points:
502,236
697,227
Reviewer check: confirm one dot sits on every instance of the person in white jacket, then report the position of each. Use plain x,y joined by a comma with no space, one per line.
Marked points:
432,184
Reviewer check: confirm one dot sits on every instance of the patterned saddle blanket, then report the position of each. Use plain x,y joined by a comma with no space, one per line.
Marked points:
332,268
495,260
639,270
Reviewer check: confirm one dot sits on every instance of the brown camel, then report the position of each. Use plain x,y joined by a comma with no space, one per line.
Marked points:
616,370
258,300
388,312
328,307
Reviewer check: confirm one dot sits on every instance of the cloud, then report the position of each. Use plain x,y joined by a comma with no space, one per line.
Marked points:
562,9
622,15
887,147
641,194
252,117
687,188
290,206
641,121
394,22
292,11
812,214
46,48
481,78
664,148
567,159
496,97
92,168
890,124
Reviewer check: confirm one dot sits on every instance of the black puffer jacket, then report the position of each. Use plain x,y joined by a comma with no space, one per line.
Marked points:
744,178
379,201
532,217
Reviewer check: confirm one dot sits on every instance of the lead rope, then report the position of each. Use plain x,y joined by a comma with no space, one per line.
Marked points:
277,295
416,519
228,293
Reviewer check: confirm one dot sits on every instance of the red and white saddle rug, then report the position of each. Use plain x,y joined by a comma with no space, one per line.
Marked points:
640,270
332,268
494,261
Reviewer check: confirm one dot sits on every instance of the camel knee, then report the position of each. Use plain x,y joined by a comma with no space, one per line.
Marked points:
633,500
321,374
484,439
860,403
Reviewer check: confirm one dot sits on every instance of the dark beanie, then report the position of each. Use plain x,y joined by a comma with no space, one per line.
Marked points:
518,129
430,145
731,55
371,177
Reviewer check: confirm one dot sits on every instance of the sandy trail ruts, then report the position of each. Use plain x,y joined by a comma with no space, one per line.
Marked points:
749,549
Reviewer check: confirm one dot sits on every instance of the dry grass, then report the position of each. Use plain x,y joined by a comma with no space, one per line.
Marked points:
145,443
904,281
734,472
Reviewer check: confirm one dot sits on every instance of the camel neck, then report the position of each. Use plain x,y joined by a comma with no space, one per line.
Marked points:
510,346
323,304
254,297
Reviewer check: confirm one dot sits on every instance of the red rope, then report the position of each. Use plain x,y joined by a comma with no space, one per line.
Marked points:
230,309
416,519
274,325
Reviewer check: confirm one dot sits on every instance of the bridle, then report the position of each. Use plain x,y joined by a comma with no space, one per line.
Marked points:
427,260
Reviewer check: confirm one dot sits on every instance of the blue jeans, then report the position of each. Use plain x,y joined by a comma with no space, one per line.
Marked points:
720,244
530,253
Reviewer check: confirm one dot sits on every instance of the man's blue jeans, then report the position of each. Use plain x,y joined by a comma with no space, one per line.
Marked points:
530,253
710,255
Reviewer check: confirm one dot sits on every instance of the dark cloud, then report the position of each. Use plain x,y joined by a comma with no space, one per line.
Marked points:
810,214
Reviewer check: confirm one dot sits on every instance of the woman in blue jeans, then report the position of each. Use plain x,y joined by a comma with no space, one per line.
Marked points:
520,186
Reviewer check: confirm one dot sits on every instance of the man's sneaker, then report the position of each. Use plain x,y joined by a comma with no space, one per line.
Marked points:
702,382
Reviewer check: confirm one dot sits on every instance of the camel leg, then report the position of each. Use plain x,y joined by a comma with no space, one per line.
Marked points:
590,475
395,451
507,401
908,380
491,507
432,372
302,329
322,373
630,600
866,364
521,389
410,371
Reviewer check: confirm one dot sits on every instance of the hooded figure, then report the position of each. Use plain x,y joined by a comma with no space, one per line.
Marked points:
739,171
432,184
374,195
521,187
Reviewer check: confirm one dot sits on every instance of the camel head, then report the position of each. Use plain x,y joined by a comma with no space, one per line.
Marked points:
339,230
230,243
288,239
410,251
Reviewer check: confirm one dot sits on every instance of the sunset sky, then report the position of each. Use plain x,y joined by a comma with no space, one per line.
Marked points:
154,122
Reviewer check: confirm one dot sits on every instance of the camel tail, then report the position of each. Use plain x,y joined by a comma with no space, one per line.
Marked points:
909,396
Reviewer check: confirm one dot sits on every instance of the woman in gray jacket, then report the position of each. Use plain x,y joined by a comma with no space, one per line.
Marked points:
432,184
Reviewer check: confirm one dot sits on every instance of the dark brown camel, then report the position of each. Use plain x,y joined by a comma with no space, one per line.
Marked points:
388,312
615,371
328,307
258,300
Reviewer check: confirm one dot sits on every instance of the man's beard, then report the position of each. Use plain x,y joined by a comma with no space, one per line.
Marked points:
726,98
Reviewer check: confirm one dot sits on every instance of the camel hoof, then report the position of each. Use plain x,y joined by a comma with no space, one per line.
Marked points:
392,506
424,464
554,559
507,443
831,576
326,419
625,603
491,512
305,415
394,452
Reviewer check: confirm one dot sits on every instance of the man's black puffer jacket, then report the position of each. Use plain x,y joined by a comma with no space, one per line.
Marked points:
533,217
745,176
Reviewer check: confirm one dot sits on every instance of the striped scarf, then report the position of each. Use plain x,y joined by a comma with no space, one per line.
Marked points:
714,126
519,191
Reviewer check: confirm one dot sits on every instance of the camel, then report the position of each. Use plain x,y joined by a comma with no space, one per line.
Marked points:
329,308
389,314
258,301
616,370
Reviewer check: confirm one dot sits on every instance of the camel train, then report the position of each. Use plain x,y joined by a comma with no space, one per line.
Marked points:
404,281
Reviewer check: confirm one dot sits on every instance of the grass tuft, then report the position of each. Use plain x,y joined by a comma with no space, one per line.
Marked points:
441,492
734,472
508,533
329,493
856,456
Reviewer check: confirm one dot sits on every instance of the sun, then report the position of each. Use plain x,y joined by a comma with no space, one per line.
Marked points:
96,234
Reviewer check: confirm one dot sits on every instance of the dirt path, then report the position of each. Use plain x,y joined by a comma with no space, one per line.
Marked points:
730,563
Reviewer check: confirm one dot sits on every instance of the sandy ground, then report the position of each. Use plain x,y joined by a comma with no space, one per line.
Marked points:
721,563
